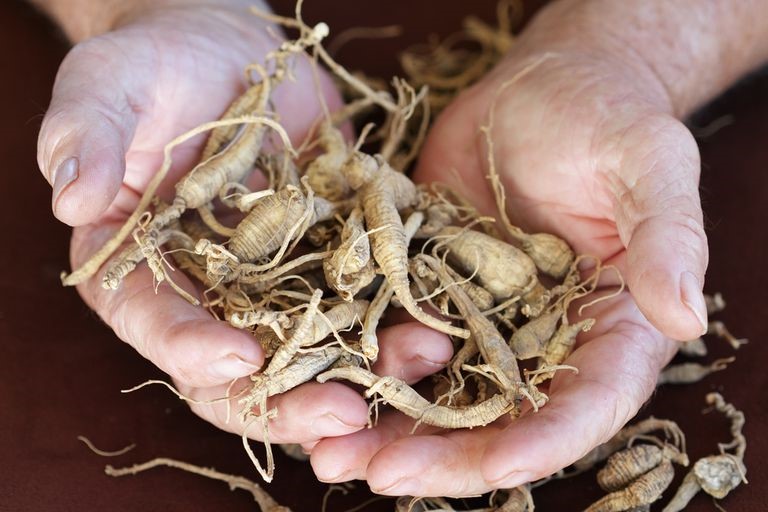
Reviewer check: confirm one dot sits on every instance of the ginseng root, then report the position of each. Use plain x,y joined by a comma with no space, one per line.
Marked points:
265,501
719,474
625,466
620,440
644,490
405,399
688,373
502,269
383,192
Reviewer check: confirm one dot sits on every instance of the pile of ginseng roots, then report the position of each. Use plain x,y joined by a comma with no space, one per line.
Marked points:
311,263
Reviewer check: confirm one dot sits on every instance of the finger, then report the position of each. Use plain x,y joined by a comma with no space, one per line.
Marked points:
181,339
659,218
345,458
87,130
617,373
412,351
305,414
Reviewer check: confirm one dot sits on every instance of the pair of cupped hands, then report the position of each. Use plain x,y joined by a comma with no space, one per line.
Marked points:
587,145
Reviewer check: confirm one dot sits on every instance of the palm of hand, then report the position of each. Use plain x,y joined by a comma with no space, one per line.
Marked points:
168,75
559,144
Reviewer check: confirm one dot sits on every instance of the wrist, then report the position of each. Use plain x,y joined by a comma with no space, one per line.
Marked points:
681,53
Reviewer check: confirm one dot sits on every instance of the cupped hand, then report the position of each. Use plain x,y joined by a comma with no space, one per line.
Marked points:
587,147
118,99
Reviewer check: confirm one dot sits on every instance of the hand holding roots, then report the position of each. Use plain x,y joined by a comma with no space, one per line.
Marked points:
336,238
341,235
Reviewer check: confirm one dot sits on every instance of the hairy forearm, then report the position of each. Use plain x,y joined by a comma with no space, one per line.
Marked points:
82,19
695,48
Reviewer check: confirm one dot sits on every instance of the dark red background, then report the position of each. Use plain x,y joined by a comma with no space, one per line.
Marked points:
61,370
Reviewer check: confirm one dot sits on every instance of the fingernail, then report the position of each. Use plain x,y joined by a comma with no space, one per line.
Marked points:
690,294
330,425
512,479
65,174
405,486
429,363
344,476
231,367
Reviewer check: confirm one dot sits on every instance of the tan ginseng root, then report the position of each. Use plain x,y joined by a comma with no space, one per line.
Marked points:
231,164
644,490
501,268
689,373
451,392
350,268
426,285
303,368
338,318
324,172
715,303
369,341
280,361
199,187
718,329
383,192
620,440
133,254
252,102
273,223
405,399
560,345
447,67
500,361
518,499
719,474
623,467
693,348
265,502
541,337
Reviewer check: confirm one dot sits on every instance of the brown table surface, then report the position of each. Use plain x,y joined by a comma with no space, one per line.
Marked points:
61,369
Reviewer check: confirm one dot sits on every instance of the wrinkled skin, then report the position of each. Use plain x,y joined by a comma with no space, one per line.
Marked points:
171,70
587,148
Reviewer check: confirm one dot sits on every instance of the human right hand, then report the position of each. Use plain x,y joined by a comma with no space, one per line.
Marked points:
159,70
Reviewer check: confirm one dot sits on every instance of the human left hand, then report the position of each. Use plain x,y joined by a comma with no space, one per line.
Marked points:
588,148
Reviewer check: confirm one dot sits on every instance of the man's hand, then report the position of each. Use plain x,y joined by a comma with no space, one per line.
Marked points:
588,146
160,70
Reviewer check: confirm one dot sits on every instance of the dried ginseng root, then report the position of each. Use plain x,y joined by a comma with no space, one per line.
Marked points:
625,466
405,399
501,268
203,183
637,475
350,268
383,193
338,237
496,353
644,490
689,373
672,432
719,474
265,502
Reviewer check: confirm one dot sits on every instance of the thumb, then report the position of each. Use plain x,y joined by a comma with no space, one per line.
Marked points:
659,219
87,131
